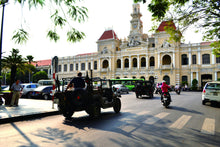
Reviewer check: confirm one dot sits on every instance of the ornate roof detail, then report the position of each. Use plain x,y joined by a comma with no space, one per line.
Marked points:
108,34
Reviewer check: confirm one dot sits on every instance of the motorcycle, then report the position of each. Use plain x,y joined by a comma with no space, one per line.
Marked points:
165,99
177,90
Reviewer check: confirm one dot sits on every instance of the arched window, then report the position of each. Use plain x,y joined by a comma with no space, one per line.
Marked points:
218,59
205,59
167,79
82,66
166,60
143,62
126,63
95,65
71,67
152,62
193,59
184,59
118,63
133,77
105,64
135,62
184,79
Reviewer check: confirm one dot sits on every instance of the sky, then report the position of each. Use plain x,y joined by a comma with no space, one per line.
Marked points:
102,15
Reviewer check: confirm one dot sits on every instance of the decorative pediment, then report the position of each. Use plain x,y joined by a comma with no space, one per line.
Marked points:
165,44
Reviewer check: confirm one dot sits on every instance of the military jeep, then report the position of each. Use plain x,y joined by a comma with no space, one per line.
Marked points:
97,94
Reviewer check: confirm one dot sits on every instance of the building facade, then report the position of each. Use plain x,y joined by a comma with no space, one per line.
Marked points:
140,56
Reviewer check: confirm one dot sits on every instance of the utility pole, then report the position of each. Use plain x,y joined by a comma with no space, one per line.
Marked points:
2,2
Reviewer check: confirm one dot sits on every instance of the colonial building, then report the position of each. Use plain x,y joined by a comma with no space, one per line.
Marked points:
140,56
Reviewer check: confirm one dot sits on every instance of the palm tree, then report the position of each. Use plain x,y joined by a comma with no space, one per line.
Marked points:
30,60
13,62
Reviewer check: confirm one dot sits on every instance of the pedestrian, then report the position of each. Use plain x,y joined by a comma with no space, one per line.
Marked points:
16,89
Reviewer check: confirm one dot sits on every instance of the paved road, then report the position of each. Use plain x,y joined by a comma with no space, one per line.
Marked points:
142,122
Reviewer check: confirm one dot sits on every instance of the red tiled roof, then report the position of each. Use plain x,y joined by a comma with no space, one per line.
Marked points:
109,34
205,43
165,24
42,63
84,54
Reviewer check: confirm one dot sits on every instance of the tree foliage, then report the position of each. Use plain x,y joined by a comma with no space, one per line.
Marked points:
64,14
202,14
13,62
39,75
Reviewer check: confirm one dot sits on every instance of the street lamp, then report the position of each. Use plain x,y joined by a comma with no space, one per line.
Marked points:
2,2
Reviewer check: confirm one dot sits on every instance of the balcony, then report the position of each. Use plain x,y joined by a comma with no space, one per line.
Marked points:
166,66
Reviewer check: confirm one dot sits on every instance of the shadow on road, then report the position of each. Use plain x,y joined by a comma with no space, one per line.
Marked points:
184,109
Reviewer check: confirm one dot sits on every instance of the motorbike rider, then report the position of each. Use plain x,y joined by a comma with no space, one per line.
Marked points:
164,88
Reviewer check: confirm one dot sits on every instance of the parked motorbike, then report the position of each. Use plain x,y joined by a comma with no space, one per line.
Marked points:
165,99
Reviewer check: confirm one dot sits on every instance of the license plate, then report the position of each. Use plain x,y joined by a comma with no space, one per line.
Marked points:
165,98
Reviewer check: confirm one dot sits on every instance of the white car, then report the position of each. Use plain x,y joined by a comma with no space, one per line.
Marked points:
211,92
121,88
27,87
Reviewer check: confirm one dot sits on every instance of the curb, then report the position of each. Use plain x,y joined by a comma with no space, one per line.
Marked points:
28,117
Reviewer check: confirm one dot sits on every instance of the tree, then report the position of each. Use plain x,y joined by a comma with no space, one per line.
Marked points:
39,75
65,12
13,62
30,60
194,84
203,14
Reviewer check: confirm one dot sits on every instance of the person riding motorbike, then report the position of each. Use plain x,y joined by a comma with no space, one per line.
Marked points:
177,88
164,88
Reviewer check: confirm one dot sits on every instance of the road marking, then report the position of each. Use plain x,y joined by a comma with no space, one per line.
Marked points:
143,113
156,118
180,123
128,128
208,126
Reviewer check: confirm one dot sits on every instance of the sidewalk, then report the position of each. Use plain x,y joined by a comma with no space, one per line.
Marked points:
28,108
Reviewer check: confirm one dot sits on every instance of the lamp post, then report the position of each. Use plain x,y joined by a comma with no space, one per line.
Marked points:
2,2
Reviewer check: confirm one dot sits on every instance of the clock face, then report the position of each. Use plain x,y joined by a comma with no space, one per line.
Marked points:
134,26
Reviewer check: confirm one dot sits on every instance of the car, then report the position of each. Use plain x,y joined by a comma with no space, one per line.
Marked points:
27,87
211,92
41,92
121,88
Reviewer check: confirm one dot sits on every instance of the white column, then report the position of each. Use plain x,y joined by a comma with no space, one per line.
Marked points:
174,60
216,76
99,65
191,78
190,58
86,68
199,56
213,59
122,63
147,61
129,62
197,76
110,61
158,56
138,62
92,64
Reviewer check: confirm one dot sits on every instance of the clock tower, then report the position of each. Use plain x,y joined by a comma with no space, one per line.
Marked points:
136,32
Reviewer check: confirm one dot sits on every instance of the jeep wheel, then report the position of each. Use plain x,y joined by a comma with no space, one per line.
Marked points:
117,105
94,111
